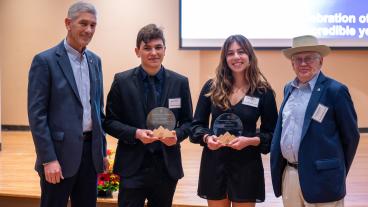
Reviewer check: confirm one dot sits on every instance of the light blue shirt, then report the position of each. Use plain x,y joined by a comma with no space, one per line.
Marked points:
80,68
293,116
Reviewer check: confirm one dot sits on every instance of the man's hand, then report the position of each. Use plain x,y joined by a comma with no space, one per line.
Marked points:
145,136
213,143
53,172
170,141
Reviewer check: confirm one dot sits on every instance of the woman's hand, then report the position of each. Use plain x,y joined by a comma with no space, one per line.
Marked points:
213,143
241,142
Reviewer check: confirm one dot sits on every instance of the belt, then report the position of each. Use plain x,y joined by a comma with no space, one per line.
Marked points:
87,136
293,165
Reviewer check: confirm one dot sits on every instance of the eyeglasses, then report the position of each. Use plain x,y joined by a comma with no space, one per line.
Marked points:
307,60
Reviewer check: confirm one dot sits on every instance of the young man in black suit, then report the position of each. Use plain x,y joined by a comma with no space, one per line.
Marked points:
149,167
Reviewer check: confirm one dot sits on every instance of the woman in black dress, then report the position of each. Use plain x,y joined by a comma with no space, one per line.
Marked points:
233,173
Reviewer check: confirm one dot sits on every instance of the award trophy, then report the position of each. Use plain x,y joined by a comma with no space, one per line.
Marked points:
227,127
161,121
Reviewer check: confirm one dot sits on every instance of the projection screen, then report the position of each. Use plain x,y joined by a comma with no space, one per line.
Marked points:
272,23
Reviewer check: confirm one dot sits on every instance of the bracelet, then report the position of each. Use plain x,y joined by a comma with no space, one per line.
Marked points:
46,163
205,138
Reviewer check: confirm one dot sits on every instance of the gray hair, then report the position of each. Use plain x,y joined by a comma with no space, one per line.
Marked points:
80,6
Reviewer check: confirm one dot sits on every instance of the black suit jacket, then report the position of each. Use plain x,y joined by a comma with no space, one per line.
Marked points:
55,111
126,111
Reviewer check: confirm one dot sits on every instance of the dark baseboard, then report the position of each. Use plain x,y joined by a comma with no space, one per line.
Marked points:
363,130
15,128
26,128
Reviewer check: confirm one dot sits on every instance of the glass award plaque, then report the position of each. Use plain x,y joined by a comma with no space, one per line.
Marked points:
227,127
161,121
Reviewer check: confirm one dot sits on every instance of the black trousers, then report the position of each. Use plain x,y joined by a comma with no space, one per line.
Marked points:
152,182
81,188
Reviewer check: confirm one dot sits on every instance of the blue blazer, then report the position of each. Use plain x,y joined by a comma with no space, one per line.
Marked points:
55,111
327,149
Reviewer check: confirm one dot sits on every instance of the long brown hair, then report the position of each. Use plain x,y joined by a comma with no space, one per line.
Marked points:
222,84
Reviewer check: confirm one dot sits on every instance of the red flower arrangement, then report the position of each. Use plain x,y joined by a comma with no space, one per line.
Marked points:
108,182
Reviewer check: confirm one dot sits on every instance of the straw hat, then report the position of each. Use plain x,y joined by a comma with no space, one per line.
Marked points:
306,43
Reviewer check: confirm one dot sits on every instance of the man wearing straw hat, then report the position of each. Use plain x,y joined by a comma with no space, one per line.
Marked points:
316,134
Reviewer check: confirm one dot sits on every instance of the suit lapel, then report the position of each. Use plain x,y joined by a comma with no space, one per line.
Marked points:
92,76
313,103
64,63
92,68
287,92
140,88
167,85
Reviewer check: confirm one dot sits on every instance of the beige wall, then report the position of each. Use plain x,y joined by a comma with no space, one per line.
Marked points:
29,27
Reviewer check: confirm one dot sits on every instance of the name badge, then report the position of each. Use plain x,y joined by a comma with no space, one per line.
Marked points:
320,113
251,101
174,103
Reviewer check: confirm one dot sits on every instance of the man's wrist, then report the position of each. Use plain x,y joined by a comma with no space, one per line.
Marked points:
46,163
136,133
205,138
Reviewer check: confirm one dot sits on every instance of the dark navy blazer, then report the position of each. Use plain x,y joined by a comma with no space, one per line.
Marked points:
327,149
55,111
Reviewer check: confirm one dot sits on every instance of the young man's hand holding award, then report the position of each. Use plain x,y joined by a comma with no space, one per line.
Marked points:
162,122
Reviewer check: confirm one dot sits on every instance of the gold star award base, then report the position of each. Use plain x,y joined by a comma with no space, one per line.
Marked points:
162,132
226,138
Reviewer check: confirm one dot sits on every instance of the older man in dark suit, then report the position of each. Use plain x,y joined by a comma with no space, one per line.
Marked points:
316,134
65,109
149,167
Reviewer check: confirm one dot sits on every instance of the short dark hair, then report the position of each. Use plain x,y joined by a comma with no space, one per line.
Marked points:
148,33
